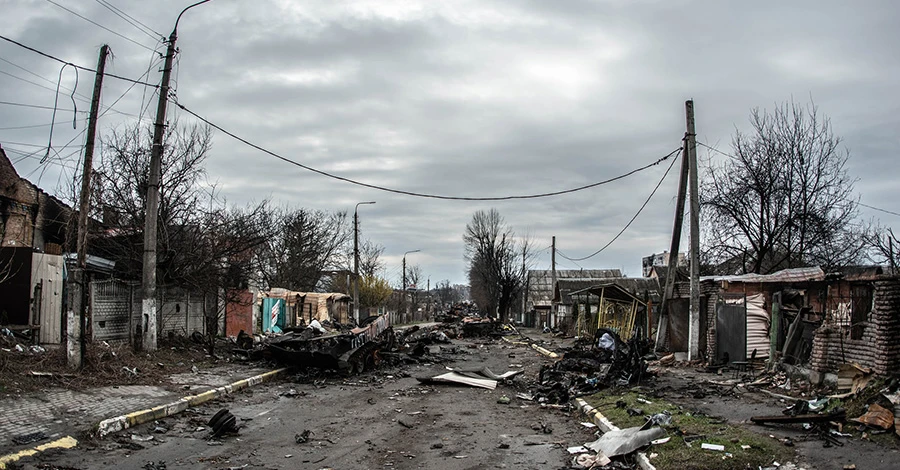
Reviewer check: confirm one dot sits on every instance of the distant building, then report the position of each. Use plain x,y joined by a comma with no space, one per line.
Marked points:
659,260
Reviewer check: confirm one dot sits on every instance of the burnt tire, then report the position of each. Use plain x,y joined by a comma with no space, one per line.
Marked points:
214,421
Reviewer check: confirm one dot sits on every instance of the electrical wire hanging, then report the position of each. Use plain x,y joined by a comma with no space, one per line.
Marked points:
630,221
100,26
80,67
415,194
55,103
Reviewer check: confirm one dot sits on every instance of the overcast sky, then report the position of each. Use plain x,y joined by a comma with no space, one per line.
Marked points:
466,98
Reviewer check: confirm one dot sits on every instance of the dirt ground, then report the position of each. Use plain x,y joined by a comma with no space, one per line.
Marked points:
105,365
381,419
692,390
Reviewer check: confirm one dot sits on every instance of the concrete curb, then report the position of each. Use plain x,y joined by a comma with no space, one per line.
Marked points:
545,352
120,423
606,425
67,442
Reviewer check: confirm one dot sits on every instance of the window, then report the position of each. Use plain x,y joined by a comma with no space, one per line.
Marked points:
861,305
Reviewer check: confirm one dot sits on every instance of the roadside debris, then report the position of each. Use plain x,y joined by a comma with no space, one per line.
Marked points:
223,422
625,441
607,361
877,416
303,436
482,377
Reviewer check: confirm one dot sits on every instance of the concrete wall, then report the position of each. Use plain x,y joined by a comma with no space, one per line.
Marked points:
879,346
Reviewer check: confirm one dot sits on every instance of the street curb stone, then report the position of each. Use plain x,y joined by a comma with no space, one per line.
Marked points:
601,421
120,423
606,425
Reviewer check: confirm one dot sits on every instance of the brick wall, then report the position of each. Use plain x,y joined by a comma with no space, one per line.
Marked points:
878,347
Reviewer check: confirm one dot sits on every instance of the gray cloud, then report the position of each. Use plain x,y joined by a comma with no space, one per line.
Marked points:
474,98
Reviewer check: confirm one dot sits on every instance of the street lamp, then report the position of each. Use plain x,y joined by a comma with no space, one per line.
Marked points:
404,279
356,260
148,280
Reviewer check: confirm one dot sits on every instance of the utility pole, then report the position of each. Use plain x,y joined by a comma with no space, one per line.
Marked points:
553,306
405,306
149,311
675,245
524,284
356,260
691,148
78,297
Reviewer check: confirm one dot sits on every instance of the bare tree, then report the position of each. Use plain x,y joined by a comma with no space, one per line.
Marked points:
223,259
307,243
785,199
884,247
120,197
370,261
495,258
446,294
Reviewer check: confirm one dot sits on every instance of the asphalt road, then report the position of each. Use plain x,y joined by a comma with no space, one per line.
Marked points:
381,419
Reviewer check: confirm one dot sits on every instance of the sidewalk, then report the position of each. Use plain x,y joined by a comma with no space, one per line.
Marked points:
59,412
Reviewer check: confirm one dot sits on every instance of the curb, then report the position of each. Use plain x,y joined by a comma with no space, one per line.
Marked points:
606,425
120,423
67,442
545,352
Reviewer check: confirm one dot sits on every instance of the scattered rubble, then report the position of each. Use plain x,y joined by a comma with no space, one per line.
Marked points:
607,361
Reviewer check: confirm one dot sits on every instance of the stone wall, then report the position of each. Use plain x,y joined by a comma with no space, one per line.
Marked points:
879,346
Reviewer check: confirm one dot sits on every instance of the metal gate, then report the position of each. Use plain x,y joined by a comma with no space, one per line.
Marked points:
731,328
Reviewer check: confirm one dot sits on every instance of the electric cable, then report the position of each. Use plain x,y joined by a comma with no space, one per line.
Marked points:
415,194
101,26
636,214
55,103
80,67
74,91
130,20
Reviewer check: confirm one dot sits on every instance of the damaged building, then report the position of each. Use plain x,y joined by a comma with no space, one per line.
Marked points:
799,316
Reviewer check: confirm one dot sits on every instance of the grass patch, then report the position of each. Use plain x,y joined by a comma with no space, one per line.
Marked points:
676,454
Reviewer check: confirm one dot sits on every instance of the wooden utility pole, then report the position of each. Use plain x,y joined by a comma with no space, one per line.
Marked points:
78,288
553,283
674,247
691,148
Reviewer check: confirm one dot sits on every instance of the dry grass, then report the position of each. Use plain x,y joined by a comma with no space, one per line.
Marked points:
677,454
104,365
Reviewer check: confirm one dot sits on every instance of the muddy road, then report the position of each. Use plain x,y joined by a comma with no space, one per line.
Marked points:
381,419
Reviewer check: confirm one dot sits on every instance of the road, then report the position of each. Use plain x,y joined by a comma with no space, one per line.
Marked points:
381,419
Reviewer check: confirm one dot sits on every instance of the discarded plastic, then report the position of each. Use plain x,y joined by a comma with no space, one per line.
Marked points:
625,441
707,446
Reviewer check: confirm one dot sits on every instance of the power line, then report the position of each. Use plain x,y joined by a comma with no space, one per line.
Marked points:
84,98
80,67
410,193
101,26
37,106
34,145
857,202
878,209
131,20
33,126
81,97
636,214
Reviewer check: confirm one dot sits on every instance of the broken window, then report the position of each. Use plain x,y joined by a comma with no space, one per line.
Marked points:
861,306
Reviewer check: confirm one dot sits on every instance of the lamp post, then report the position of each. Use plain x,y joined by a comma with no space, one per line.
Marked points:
356,260
149,311
406,305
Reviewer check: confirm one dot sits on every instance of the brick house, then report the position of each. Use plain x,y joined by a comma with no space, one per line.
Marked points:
33,227
800,316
